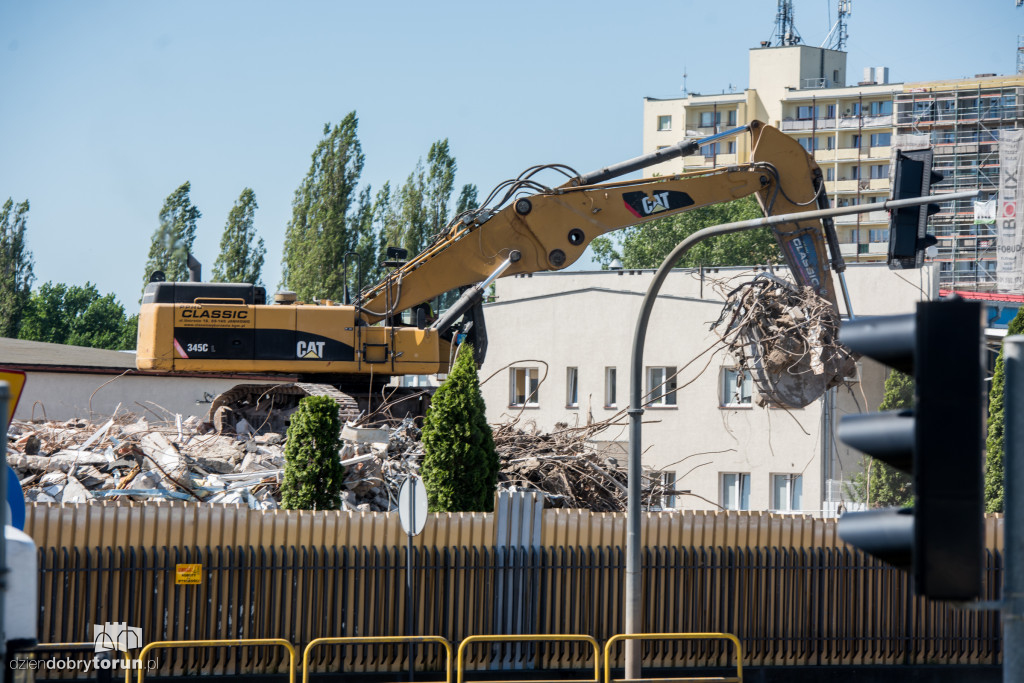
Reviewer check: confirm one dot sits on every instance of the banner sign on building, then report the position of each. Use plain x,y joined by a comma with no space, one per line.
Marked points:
1010,263
985,212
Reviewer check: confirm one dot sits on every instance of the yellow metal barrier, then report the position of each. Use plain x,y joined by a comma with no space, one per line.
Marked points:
73,647
242,642
543,638
357,640
673,636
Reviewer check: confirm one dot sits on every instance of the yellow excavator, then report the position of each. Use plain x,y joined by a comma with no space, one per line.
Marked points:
351,350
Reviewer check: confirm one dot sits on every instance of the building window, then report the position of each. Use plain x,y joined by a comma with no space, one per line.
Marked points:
661,386
830,173
879,171
881,139
522,386
736,491
854,109
730,147
787,492
572,387
883,108
663,496
710,118
805,113
830,142
854,141
609,388
808,144
830,110
855,236
737,387
665,122
878,235
731,117
711,149
855,173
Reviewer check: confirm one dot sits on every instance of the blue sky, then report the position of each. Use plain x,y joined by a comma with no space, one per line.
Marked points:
109,106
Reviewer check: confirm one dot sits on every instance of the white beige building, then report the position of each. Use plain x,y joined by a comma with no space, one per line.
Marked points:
560,354
802,91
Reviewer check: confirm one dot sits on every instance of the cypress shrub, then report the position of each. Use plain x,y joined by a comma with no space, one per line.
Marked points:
313,473
460,465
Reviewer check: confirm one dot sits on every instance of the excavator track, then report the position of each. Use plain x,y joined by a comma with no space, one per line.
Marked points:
268,407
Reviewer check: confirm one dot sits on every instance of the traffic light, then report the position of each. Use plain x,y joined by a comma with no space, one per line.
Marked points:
939,442
908,226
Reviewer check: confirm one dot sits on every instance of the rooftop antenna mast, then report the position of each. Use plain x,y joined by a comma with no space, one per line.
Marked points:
785,32
686,93
837,36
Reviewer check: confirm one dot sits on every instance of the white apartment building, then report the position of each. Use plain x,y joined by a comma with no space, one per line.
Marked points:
802,91
560,350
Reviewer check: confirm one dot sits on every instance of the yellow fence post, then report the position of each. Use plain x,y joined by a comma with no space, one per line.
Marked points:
241,642
362,640
545,637
673,636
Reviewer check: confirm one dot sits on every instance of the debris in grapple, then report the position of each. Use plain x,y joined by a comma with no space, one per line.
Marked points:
786,338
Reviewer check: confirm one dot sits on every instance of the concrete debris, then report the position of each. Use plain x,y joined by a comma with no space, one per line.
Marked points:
130,457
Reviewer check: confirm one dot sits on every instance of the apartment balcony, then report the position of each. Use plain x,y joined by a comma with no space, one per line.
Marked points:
866,219
882,153
845,185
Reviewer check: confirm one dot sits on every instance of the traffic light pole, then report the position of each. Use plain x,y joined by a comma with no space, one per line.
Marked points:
633,597
1013,540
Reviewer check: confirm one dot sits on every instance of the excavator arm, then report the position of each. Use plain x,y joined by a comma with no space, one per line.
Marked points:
550,229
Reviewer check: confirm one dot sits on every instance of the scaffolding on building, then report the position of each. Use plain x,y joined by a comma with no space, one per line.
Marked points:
963,125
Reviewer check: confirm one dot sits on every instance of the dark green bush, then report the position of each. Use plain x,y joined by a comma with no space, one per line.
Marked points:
460,465
313,473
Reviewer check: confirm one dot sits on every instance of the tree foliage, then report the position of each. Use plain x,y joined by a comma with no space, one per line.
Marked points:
994,494
313,473
422,201
241,251
326,216
16,274
172,241
460,464
467,199
646,245
79,316
878,484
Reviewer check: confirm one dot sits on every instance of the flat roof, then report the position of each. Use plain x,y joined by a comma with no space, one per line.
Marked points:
23,352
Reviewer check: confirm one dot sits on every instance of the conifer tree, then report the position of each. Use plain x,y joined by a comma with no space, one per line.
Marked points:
460,464
241,251
879,484
313,473
996,425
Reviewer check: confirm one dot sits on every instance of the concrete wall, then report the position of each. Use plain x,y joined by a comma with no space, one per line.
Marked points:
586,320
64,395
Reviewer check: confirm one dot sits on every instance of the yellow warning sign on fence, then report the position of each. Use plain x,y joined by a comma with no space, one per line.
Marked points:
188,574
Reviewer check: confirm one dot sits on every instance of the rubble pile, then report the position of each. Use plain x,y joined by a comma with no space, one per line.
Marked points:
135,458
563,464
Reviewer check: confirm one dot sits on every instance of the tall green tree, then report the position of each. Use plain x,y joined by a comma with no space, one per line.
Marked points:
173,238
467,199
16,274
994,441
646,245
313,473
241,251
79,316
460,464
325,223
879,484
411,210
